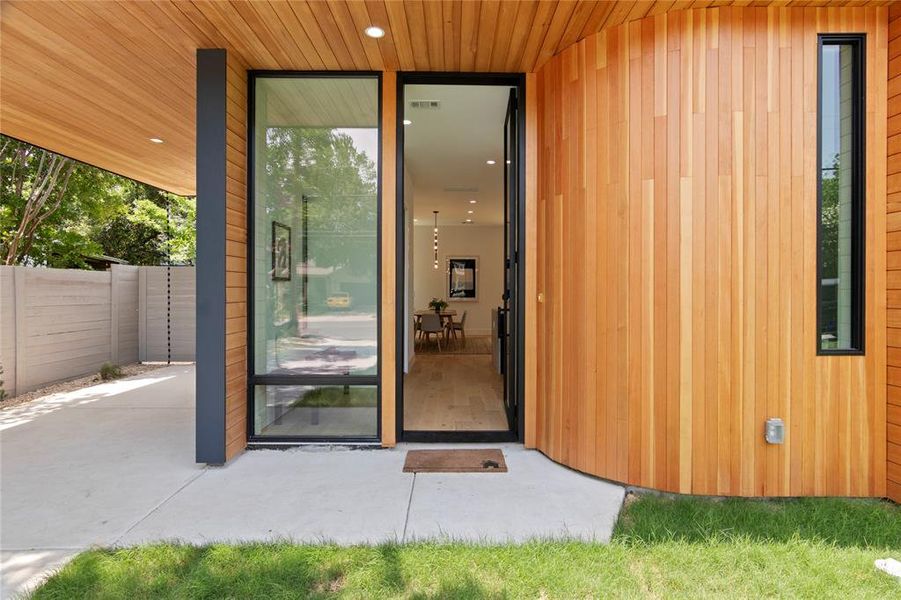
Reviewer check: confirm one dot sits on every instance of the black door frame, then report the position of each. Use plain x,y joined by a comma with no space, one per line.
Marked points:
517,80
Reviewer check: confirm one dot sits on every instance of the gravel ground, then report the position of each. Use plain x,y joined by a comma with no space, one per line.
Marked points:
75,384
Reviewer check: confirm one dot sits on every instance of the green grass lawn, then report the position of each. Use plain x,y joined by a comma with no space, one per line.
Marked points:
662,548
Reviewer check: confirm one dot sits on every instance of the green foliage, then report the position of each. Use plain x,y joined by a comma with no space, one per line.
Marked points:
818,548
340,185
437,304
95,212
3,393
829,216
338,397
109,371
175,233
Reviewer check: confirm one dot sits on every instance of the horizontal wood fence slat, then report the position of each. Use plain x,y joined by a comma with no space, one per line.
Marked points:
57,324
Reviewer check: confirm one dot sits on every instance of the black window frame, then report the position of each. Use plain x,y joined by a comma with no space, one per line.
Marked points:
858,185
254,380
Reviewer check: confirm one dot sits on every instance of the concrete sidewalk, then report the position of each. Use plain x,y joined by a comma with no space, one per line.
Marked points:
114,465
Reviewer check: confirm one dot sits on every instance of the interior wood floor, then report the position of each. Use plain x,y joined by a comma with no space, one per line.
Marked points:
454,392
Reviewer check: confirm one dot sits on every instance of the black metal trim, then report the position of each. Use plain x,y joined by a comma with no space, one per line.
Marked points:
254,380
212,118
465,437
517,80
288,379
275,443
858,206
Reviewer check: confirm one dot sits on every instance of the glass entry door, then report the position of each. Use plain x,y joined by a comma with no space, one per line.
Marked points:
511,260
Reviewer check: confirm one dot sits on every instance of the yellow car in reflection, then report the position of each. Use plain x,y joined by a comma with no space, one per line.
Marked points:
338,300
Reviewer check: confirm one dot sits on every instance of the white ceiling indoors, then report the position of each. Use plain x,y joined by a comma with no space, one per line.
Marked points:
446,150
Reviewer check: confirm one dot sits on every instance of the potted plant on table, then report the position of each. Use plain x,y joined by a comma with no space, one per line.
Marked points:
437,305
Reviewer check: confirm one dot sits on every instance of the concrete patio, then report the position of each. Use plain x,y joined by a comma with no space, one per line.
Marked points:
113,465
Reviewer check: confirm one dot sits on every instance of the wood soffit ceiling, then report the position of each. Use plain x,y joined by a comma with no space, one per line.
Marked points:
96,79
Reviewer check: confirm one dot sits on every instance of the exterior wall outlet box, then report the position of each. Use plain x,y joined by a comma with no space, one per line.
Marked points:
775,431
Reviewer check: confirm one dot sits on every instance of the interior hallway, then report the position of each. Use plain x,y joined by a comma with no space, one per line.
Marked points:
454,392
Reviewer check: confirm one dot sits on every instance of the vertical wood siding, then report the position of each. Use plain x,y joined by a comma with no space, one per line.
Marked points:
236,260
387,339
893,262
677,216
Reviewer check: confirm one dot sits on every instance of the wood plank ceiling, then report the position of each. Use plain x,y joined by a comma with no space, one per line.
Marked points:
96,79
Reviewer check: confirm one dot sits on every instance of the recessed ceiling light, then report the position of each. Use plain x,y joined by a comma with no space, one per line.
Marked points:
472,201
408,122
374,32
508,162
490,162
469,212
156,140
469,220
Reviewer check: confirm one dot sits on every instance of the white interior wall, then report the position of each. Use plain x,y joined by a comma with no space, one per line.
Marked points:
484,241
409,262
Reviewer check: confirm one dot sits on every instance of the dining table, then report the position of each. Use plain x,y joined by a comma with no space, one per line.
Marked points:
446,315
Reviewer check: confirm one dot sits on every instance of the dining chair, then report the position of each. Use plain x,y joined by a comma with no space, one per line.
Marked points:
429,324
454,326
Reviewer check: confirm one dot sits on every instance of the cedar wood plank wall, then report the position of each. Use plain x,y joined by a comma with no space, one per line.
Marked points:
893,407
677,256
676,418
236,260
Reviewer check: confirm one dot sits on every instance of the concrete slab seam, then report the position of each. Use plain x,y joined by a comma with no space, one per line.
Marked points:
403,537
159,505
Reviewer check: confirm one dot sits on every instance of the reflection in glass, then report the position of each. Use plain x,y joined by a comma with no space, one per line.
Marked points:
321,412
315,214
836,189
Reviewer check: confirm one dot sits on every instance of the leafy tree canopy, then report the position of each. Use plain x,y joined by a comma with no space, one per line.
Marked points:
340,184
55,212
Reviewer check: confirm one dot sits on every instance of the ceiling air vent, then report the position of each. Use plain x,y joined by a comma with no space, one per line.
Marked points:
426,104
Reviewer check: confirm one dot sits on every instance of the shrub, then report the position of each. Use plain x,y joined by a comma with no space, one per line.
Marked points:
110,371
2,391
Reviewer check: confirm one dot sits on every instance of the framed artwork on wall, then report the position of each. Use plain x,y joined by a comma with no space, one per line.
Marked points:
462,278
281,252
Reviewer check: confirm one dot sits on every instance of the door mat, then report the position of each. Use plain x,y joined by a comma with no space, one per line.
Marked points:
455,461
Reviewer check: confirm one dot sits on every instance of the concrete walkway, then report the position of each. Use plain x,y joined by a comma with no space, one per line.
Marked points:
114,465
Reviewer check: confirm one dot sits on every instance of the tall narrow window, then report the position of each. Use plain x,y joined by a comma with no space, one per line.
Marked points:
314,264
840,190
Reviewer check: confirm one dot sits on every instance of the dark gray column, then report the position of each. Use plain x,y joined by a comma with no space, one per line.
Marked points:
210,378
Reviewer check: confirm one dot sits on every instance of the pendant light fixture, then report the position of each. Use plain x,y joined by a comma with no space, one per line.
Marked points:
436,238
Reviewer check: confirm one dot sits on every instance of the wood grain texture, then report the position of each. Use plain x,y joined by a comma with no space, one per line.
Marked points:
530,358
236,260
893,252
95,79
677,258
387,354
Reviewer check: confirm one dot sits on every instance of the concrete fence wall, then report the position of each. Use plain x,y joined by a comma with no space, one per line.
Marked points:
155,291
56,324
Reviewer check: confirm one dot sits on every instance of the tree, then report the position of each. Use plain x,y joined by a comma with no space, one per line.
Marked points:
829,215
173,220
37,181
340,184
56,211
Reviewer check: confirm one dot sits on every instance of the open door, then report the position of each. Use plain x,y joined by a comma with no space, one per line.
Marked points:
511,260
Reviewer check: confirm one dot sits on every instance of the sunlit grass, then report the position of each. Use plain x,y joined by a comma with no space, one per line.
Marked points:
685,548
